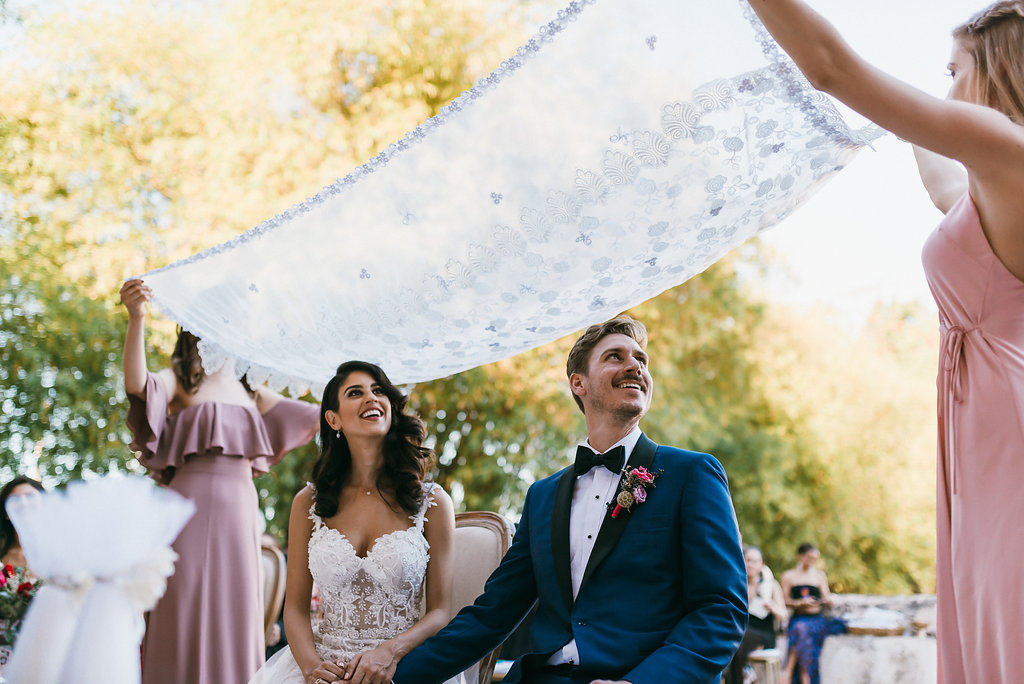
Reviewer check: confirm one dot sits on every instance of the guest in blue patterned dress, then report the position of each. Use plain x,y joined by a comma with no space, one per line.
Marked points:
805,589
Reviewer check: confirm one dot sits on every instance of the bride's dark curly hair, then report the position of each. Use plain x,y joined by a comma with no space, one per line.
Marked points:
406,460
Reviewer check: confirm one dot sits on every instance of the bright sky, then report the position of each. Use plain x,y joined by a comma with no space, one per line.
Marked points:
859,240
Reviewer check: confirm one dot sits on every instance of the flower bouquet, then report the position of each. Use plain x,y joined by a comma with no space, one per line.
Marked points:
17,589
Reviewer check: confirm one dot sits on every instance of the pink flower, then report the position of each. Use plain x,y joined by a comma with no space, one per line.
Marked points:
642,473
3,580
640,494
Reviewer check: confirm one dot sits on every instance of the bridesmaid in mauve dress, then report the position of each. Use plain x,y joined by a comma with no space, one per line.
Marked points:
975,267
206,437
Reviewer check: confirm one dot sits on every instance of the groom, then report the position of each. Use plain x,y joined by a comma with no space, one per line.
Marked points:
646,588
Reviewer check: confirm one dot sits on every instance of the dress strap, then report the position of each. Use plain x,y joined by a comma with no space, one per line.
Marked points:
428,501
317,521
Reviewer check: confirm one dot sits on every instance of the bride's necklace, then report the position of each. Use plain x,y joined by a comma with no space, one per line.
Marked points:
366,490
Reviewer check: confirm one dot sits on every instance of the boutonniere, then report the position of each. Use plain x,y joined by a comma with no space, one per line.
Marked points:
633,488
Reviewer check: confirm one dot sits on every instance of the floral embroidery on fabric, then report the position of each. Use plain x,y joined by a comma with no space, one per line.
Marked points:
533,204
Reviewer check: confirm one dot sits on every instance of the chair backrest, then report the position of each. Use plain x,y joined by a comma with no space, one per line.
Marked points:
481,540
274,577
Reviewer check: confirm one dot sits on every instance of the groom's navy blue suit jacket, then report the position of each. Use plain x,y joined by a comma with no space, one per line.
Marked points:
663,598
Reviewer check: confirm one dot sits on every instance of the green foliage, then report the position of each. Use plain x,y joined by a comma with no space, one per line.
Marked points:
63,404
861,486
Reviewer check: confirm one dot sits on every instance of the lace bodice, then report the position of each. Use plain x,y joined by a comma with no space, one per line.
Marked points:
368,600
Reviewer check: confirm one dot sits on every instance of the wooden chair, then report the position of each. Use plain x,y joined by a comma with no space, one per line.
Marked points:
274,576
481,540
767,663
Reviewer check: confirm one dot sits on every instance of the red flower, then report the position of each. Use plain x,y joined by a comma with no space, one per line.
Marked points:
24,587
9,570
643,474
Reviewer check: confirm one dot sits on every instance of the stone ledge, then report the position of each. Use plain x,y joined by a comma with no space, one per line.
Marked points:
916,607
856,659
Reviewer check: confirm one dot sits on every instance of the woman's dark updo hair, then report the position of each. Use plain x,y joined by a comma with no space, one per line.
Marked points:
406,460
805,547
185,362
188,365
8,535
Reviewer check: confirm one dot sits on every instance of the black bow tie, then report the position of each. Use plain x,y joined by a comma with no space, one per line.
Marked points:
612,460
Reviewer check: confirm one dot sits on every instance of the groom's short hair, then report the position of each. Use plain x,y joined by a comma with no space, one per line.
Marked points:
579,355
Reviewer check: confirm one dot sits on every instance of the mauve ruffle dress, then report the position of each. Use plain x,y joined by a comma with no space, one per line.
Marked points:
208,627
980,503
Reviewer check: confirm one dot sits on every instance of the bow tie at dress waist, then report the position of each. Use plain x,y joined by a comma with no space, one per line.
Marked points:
952,390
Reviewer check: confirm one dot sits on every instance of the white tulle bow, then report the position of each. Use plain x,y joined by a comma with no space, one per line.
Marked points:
102,549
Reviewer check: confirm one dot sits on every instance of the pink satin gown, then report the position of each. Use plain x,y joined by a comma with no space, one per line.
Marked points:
980,505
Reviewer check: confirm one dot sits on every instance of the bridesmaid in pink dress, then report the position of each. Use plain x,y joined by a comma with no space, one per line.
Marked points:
206,437
975,267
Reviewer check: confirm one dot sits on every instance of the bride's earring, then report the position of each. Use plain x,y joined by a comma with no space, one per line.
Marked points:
338,434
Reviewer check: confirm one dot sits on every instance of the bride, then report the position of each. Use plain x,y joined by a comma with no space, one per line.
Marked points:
350,531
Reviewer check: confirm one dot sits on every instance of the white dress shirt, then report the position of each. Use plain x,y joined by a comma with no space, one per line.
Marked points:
595,490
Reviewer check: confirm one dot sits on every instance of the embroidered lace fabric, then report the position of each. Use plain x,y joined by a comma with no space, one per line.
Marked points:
623,149
367,600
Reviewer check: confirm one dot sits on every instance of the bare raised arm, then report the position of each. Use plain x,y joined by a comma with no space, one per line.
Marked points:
984,140
134,295
987,142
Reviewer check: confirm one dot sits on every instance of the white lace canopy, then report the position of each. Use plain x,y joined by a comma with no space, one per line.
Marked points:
622,150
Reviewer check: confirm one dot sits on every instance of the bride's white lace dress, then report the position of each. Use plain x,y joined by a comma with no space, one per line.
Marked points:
365,600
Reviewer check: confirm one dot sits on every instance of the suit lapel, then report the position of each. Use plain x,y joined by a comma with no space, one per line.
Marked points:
612,528
560,534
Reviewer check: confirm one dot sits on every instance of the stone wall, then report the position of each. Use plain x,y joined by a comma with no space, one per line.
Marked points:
863,659
916,607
